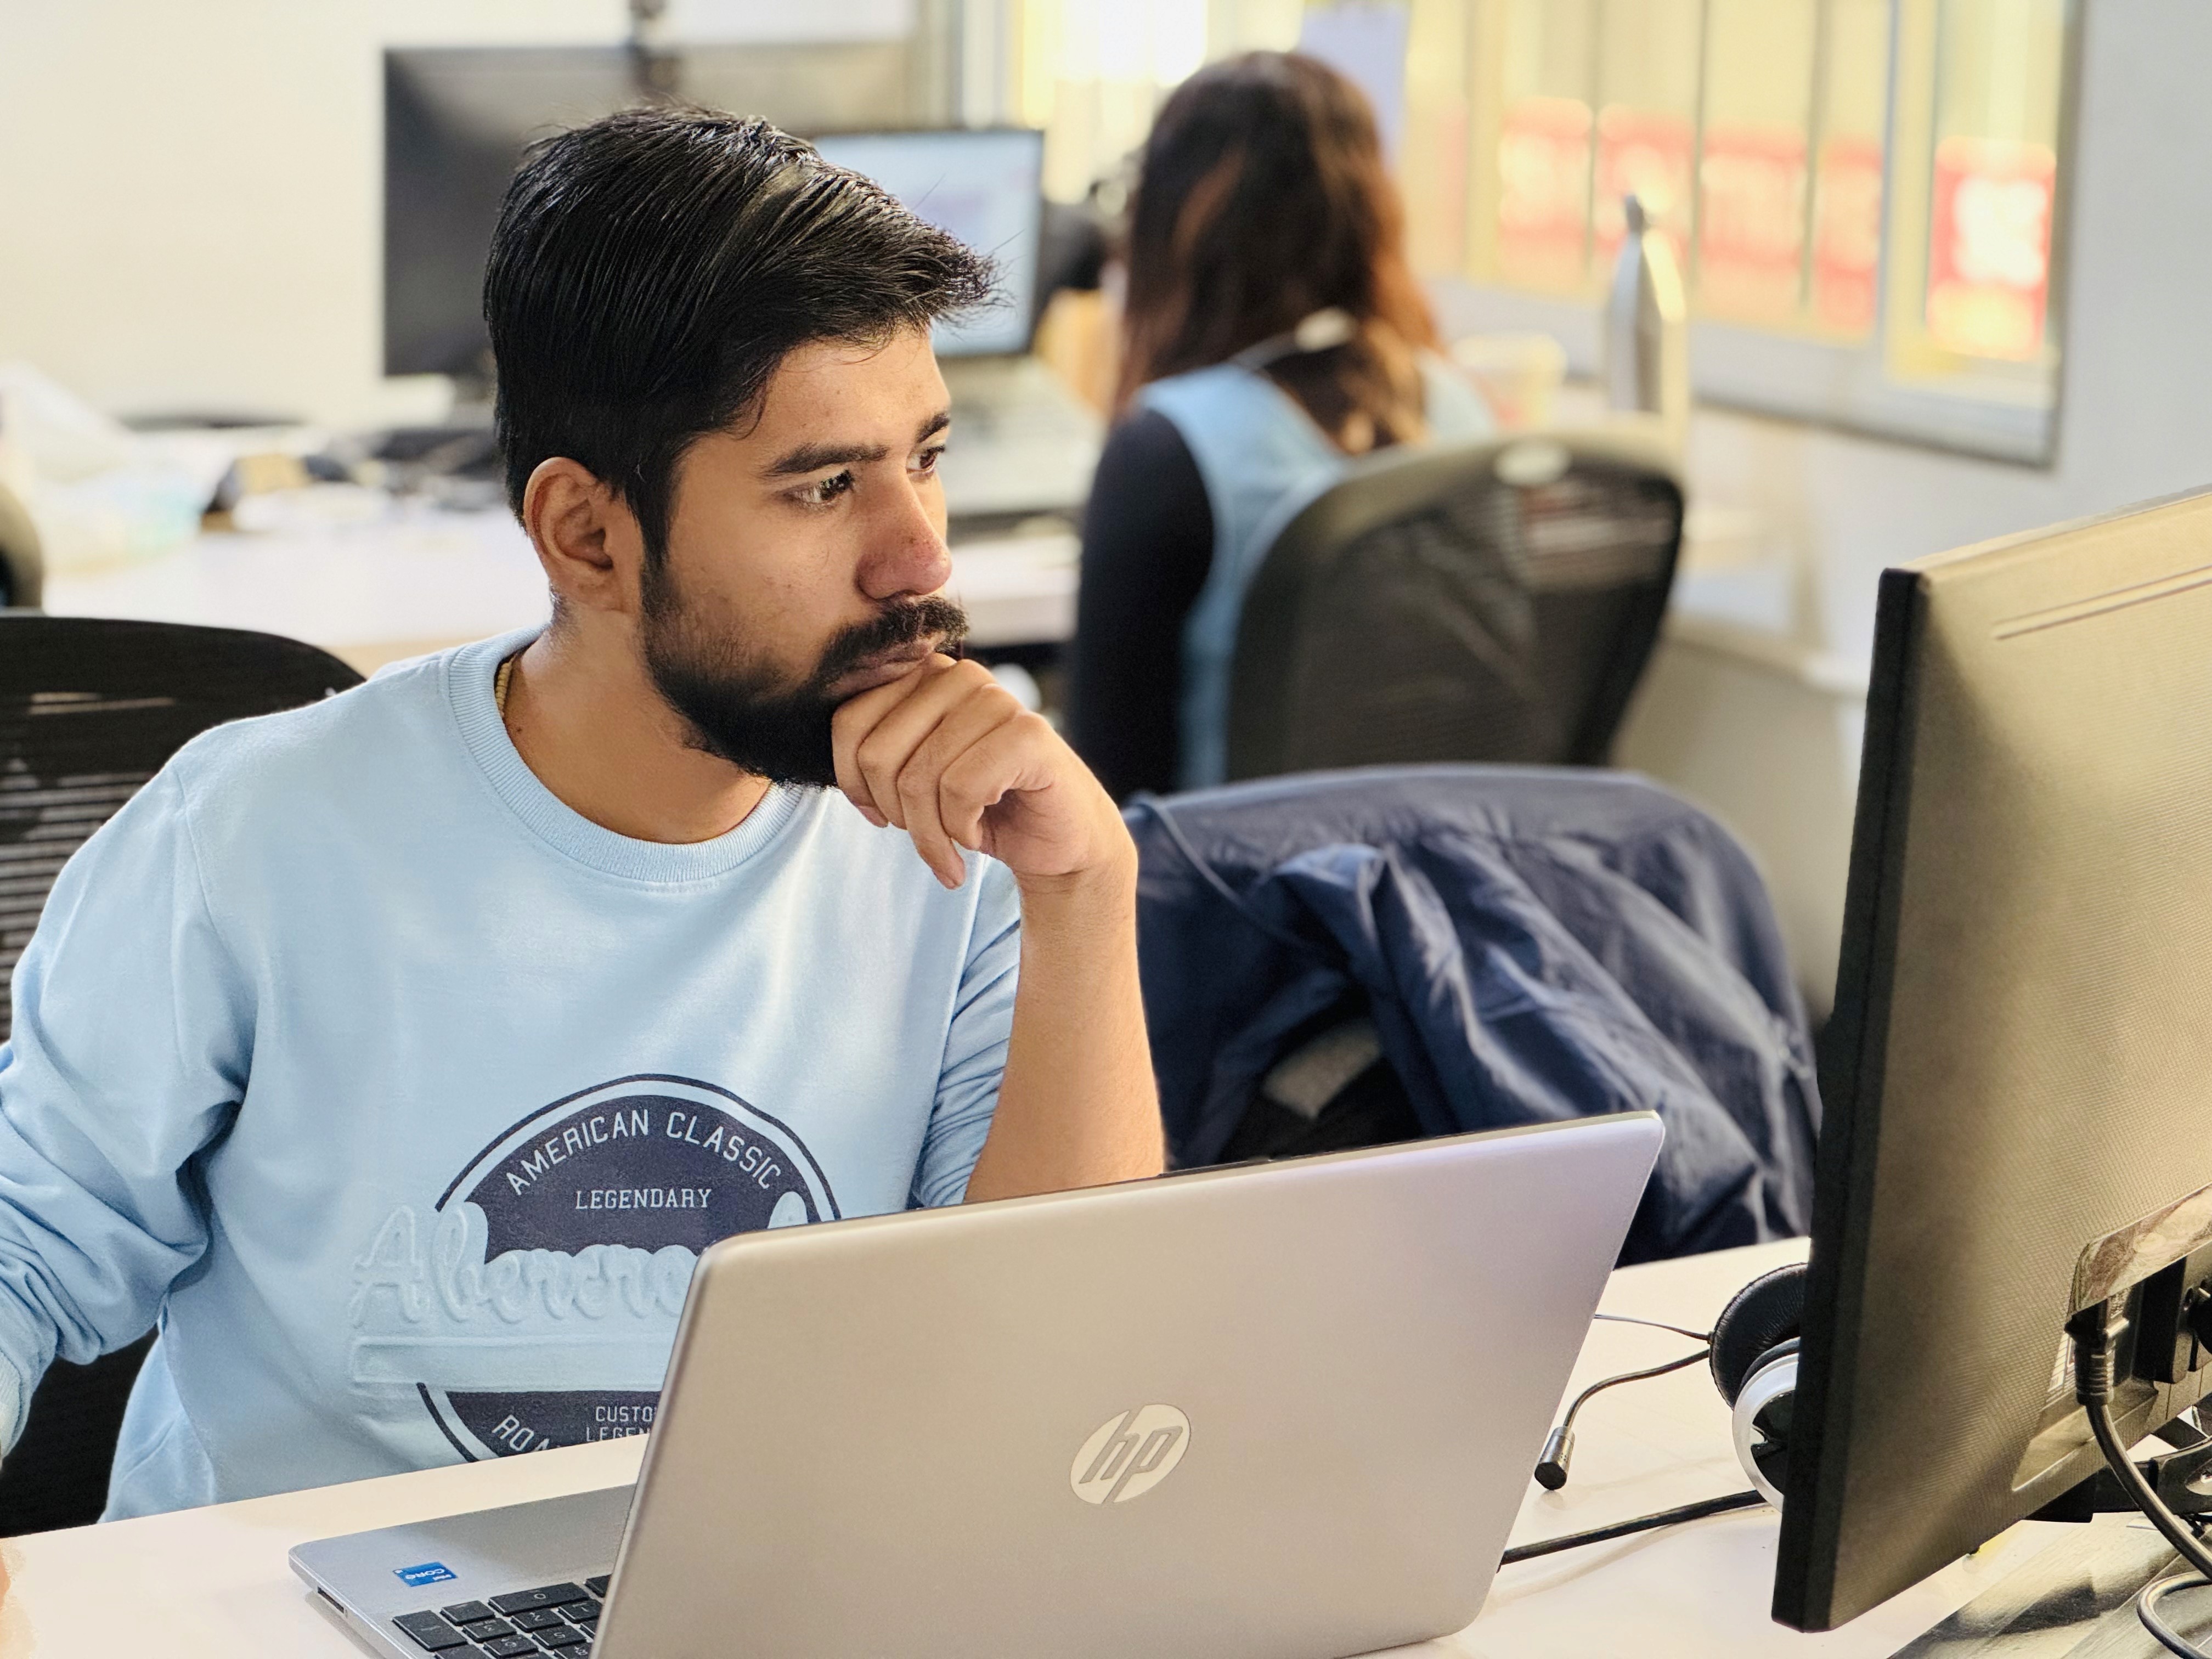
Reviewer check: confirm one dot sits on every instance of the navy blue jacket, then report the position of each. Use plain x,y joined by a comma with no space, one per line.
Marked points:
1533,945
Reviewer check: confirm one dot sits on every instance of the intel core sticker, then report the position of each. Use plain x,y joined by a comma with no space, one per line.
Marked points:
430,1572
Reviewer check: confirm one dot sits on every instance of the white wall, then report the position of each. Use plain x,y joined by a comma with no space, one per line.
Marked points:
191,192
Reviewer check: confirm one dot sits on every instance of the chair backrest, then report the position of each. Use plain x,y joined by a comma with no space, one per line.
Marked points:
89,710
1493,602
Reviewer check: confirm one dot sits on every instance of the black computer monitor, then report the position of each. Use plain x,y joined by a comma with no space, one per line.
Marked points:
986,186
2020,1099
457,121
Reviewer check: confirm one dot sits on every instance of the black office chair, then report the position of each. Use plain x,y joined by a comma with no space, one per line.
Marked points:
1490,602
89,710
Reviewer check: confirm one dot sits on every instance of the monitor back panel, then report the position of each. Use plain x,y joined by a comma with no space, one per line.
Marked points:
1326,1381
2025,1059
457,121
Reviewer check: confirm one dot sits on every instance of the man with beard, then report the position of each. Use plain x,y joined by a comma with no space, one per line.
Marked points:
399,1054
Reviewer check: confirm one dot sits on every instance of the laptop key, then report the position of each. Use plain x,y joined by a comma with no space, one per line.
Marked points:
545,1596
465,1613
485,1630
431,1633
567,1637
509,1647
537,1618
584,1612
598,1586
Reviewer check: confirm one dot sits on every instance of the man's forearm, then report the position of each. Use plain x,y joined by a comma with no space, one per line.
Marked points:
1077,1106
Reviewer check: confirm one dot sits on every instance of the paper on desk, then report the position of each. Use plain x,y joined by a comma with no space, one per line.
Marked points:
98,492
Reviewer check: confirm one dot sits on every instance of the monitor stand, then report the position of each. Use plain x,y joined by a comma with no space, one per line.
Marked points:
2174,1476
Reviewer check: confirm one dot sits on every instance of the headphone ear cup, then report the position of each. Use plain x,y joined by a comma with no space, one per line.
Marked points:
1763,1419
1765,1314
1754,1363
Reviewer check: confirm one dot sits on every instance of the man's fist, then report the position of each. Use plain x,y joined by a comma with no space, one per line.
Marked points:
951,758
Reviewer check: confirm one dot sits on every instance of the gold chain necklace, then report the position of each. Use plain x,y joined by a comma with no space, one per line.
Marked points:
499,683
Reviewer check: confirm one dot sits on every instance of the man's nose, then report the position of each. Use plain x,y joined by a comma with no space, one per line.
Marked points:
908,556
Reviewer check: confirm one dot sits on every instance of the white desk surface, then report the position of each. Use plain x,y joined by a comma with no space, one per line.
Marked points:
212,1583
417,580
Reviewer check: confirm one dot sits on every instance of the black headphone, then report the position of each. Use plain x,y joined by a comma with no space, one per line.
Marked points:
1755,1365
1752,1354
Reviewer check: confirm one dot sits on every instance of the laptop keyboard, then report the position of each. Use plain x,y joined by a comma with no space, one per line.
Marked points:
557,1619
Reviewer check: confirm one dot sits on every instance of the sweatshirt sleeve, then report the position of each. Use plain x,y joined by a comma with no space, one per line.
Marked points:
127,1059
976,1046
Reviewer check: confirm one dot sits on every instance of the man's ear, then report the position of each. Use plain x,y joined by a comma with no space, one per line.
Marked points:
588,539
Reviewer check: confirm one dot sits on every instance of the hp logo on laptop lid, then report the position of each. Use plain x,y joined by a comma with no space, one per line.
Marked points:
1128,1455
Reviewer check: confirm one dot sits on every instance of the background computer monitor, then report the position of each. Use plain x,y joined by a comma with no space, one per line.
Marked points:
457,121
986,186
2020,1099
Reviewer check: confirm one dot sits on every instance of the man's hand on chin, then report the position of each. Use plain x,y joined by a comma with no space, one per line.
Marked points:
949,756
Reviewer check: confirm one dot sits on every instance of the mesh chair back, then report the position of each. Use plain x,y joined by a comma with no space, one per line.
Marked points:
1488,602
89,710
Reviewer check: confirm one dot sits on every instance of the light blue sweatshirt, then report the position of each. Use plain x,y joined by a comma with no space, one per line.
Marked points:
406,1097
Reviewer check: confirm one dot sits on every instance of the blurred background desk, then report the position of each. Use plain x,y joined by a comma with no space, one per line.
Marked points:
213,1581
416,580
413,579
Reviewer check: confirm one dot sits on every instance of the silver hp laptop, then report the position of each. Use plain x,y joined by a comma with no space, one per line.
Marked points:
1285,1410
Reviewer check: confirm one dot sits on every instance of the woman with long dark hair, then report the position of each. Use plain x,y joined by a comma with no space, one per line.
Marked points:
1272,332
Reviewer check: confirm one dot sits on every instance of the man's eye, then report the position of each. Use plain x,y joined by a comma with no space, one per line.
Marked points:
823,491
927,460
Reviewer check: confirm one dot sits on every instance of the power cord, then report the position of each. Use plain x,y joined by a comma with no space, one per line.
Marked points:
1654,1324
1673,1517
2093,1343
2147,1610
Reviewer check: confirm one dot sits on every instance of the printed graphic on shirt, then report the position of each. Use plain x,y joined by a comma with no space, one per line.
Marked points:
535,1305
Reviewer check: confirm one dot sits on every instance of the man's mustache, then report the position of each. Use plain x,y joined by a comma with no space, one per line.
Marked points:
901,624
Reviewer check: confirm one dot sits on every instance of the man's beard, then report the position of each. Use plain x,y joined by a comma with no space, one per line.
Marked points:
740,710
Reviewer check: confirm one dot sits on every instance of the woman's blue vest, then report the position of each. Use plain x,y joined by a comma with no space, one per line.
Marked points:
1261,458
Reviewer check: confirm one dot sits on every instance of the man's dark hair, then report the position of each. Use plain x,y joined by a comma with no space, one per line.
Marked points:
650,272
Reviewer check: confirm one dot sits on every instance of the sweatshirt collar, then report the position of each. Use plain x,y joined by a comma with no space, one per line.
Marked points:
468,674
